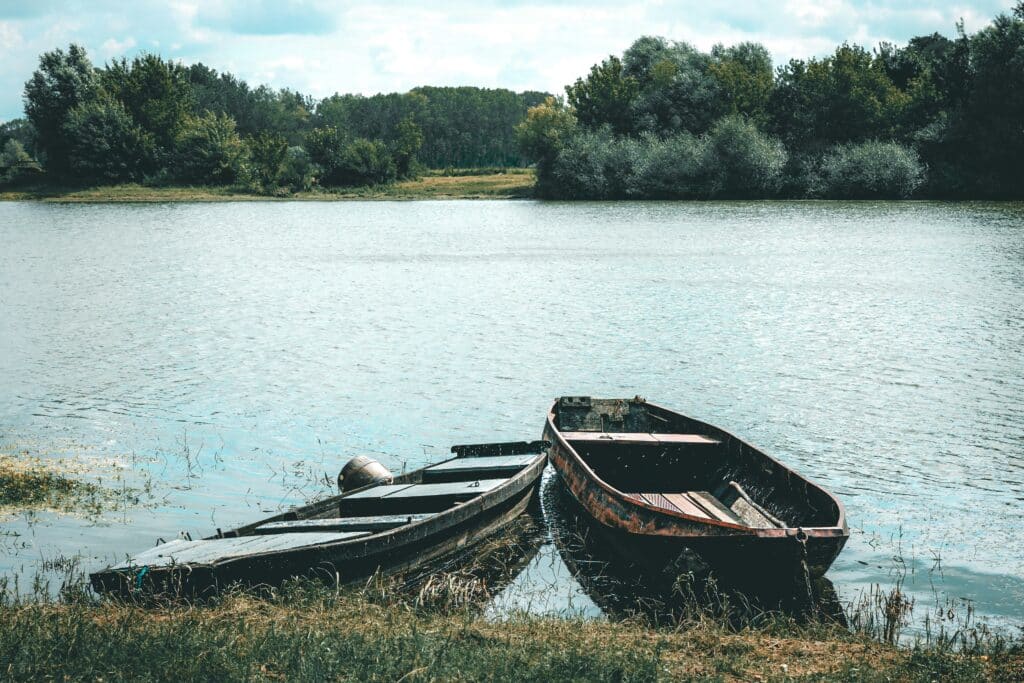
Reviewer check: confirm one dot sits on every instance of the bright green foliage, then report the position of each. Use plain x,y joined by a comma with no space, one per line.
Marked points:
156,93
542,134
105,145
267,154
209,151
15,163
605,97
63,81
869,170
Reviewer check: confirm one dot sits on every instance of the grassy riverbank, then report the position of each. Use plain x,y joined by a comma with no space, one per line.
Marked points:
514,183
323,634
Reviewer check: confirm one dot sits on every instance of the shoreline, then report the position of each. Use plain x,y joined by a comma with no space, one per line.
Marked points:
510,184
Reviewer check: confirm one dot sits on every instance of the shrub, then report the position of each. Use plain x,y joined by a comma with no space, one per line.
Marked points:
209,151
105,144
16,165
741,161
297,172
267,153
672,168
869,170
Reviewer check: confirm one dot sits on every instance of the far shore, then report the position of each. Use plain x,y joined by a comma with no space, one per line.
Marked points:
515,183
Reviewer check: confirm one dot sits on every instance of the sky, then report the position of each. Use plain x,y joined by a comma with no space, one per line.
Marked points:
369,46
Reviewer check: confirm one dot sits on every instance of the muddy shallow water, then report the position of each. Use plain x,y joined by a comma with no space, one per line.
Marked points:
215,361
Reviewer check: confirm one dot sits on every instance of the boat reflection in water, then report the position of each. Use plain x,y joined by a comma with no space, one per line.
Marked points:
626,589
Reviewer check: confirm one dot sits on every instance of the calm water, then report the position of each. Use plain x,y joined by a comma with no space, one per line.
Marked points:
224,358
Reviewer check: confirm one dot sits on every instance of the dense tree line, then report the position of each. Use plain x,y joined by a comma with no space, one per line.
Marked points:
937,117
158,121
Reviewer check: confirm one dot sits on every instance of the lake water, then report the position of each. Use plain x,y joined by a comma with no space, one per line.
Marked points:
221,359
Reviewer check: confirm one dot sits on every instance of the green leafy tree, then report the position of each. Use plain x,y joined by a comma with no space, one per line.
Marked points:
542,135
156,92
744,76
741,161
408,141
209,150
267,155
16,164
106,145
605,97
845,97
63,81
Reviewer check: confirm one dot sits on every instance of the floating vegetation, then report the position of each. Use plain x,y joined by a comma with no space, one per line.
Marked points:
33,484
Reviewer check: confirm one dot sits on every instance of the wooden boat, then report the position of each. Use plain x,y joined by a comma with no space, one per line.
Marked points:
679,495
386,526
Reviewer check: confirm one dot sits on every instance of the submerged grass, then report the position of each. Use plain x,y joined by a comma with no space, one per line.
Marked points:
458,184
30,483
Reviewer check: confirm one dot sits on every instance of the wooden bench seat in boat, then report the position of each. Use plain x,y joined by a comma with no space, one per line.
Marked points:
410,498
732,505
638,438
373,523
461,469
180,551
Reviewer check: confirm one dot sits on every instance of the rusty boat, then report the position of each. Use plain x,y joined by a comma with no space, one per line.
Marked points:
678,495
380,524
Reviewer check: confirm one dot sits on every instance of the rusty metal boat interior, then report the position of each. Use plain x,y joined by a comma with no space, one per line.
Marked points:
684,495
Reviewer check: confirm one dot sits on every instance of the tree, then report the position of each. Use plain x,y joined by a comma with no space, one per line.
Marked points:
408,141
744,76
841,98
741,161
105,145
209,150
605,98
63,81
156,92
267,154
541,136
15,163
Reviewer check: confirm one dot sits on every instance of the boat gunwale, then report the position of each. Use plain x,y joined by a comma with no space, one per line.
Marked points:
839,529
527,476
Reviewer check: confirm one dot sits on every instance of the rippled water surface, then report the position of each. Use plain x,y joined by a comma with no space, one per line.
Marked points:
221,359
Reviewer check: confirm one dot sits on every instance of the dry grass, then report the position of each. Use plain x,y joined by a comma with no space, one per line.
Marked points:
506,184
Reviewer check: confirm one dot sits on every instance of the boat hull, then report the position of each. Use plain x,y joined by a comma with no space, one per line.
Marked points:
669,545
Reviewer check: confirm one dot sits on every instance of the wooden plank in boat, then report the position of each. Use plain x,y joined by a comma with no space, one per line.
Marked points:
637,438
686,506
461,489
714,507
659,500
206,551
377,492
370,523
499,464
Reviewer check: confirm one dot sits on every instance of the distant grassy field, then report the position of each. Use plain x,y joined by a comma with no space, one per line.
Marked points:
462,184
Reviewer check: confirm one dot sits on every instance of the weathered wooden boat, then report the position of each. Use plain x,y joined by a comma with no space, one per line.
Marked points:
679,495
379,525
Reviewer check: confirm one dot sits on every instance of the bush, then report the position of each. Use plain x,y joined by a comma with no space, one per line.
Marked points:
105,144
267,155
741,161
578,171
209,151
350,163
869,170
16,165
297,172
672,168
